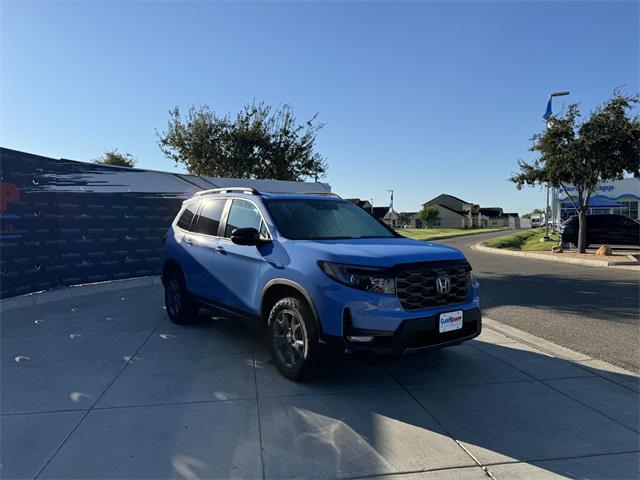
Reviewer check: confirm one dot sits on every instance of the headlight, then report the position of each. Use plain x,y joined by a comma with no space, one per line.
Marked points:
369,279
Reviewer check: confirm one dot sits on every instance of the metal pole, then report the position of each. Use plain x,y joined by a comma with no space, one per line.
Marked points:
546,217
554,209
548,116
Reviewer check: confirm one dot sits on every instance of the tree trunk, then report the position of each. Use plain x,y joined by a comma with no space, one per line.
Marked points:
582,231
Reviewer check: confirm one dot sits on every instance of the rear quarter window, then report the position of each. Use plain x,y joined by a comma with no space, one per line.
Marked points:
186,218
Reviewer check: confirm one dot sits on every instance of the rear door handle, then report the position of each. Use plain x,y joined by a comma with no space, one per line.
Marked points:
220,249
188,241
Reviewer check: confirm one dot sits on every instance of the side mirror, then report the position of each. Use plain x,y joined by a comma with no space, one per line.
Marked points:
245,236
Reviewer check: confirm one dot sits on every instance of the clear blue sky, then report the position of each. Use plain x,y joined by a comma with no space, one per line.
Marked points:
421,97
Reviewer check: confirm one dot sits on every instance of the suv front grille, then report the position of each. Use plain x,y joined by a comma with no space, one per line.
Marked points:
416,286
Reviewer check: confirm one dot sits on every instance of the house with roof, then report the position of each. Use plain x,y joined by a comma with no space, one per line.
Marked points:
453,212
496,217
385,214
364,204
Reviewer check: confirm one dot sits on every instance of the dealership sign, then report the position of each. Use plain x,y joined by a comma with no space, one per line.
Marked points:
611,190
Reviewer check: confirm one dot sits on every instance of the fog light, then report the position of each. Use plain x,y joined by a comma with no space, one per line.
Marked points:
359,339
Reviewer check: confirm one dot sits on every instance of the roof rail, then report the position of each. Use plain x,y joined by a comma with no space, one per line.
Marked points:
328,194
322,194
250,190
253,191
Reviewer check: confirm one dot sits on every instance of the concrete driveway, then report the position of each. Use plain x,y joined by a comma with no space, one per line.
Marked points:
104,386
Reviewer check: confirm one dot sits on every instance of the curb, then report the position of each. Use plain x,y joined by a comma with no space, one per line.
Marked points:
550,258
446,237
458,235
73,291
606,370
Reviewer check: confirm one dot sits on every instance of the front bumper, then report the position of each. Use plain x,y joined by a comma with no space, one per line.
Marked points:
413,335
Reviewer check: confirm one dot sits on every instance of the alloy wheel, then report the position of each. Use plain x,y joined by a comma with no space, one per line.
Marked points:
289,338
174,296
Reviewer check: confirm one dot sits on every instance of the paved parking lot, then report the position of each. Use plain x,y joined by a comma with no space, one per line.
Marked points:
104,386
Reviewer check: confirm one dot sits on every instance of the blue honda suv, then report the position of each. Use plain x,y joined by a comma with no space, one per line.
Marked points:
320,273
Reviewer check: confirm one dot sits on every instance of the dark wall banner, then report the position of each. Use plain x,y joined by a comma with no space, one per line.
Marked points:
64,222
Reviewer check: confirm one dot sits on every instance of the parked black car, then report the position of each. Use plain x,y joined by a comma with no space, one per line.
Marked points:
603,230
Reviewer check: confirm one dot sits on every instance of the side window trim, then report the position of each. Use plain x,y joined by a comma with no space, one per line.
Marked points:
194,220
223,221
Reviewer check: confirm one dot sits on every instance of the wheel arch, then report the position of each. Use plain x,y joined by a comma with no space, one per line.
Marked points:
278,288
169,265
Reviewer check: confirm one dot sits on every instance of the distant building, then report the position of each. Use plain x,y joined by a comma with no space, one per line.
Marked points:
404,218
453,212
496,217
385,214
618,197
364,204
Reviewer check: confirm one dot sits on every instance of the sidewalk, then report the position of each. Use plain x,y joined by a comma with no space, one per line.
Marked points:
104,386
615,261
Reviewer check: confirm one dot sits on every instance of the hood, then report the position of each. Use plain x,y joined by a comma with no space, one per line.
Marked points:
382,252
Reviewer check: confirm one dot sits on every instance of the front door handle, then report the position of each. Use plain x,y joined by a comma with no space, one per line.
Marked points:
188,241
220,249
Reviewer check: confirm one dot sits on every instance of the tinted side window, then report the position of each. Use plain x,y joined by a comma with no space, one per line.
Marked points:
594,221
243,214
209,218
187,216
624,221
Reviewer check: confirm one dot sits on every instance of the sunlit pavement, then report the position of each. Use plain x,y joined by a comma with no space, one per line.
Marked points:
104,386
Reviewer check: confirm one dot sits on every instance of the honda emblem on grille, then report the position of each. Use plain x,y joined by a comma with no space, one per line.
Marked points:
443,284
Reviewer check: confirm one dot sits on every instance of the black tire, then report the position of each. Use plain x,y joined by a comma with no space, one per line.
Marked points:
291,322
180,308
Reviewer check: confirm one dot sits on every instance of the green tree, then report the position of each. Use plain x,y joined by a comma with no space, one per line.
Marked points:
576,156
258,142
429,216
114,157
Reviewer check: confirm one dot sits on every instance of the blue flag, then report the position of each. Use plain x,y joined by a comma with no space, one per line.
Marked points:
548,113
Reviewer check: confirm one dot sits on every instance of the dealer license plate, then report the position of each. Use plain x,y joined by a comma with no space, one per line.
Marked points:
450,321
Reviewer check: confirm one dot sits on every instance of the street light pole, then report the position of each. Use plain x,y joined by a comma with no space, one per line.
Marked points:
548,115
546,217
554,209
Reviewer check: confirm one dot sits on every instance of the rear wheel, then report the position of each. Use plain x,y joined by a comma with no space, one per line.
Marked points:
293,338
179,306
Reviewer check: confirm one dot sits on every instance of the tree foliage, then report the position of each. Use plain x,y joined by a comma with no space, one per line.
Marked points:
429,216
257,142
114,157
576,156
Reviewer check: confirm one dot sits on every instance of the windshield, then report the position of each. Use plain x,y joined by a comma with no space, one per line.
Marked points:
302,219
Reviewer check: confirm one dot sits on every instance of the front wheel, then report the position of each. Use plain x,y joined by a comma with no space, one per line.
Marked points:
293,338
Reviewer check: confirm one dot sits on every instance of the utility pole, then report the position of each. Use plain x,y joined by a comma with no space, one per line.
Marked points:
548,117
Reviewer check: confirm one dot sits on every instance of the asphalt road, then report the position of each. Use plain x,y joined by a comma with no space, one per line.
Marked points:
592,310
